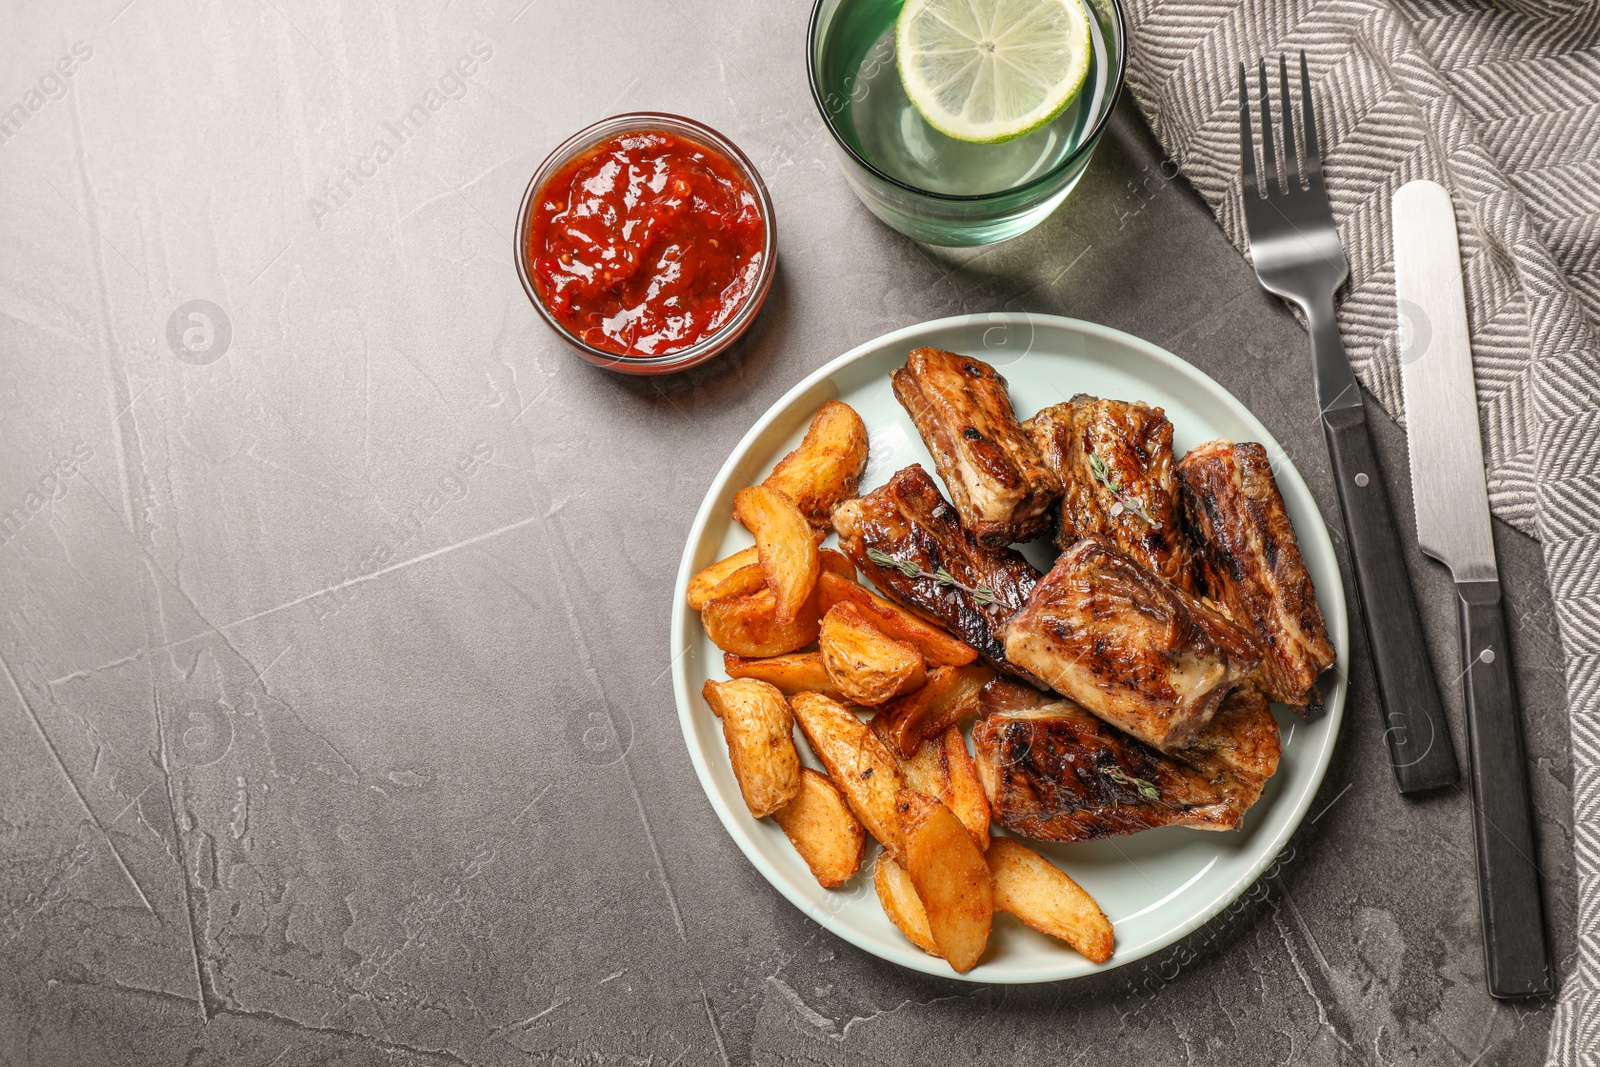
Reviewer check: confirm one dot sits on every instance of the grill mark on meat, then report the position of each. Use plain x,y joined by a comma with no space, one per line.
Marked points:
1248,560
1055,772
1134,441
908,520
999,485
1139,653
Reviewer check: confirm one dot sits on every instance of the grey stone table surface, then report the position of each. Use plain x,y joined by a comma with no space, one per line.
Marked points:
335,724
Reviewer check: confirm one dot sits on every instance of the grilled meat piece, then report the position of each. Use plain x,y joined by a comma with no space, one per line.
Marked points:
1114,459
1141,654
1241,742
907,521
1000,487
1249,561
1239,749
1053,771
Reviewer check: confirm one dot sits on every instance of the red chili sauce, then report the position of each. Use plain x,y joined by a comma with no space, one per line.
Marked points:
645,244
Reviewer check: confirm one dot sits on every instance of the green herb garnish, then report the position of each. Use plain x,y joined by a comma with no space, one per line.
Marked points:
1122,777
981,593
1121,500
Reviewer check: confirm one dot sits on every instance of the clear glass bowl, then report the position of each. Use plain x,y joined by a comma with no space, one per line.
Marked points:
707,347
926,185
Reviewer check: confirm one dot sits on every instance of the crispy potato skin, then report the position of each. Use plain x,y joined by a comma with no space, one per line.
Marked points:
867,665
759,730
936,646
965,797
703,586
899,900
836,563
713,581
944,770
742,582
794,672
949,695
748,625
865,772
785,545
951,878
1042,895
827,466
926,771
819,824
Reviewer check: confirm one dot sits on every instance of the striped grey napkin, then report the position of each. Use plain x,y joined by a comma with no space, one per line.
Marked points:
1501,104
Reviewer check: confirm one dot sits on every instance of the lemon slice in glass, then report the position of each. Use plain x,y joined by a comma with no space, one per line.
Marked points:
991,70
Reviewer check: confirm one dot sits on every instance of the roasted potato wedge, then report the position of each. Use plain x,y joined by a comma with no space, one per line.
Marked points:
944,770
899,899
822,829
949,695
797,672
785,545
703,586
927,770
827,466
836,563
936,646
966,797
718,580
742,582
951,878
865,772
867,665
748,625
1040,894
759,730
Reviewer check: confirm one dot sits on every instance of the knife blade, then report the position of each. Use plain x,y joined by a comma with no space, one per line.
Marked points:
1451,497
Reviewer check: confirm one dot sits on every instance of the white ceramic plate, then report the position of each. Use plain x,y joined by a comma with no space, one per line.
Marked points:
1156,886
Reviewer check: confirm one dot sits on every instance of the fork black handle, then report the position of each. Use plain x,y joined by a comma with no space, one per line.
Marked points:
1516,954
1294,243
1415,728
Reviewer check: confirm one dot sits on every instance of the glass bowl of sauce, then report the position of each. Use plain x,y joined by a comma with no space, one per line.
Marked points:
646,242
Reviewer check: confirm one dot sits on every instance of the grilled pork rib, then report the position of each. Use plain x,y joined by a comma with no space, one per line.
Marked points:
1000,487
1239,749
1250,563
1141,654
1053,771
1114,459
910,523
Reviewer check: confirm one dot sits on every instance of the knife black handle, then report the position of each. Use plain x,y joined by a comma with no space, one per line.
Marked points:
1416,730
1516,954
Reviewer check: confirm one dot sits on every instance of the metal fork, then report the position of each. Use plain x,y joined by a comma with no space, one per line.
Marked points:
1295,247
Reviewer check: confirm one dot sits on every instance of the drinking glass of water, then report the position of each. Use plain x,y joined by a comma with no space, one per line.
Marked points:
930,186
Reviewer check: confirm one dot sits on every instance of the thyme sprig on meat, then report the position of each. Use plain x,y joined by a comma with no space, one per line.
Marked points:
982,594
1145,788
1121,499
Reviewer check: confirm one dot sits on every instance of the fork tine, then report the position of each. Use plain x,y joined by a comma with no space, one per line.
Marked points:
1308,133
1292,166
1269,157
1247,148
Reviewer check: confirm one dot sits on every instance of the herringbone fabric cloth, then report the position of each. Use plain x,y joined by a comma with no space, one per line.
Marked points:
1501,104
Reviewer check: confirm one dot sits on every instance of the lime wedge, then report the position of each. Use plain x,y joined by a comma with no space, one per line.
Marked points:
991,70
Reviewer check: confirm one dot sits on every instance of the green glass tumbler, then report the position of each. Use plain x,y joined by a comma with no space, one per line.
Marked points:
931,187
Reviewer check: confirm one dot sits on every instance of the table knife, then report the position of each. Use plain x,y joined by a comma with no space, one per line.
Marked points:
1452,502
